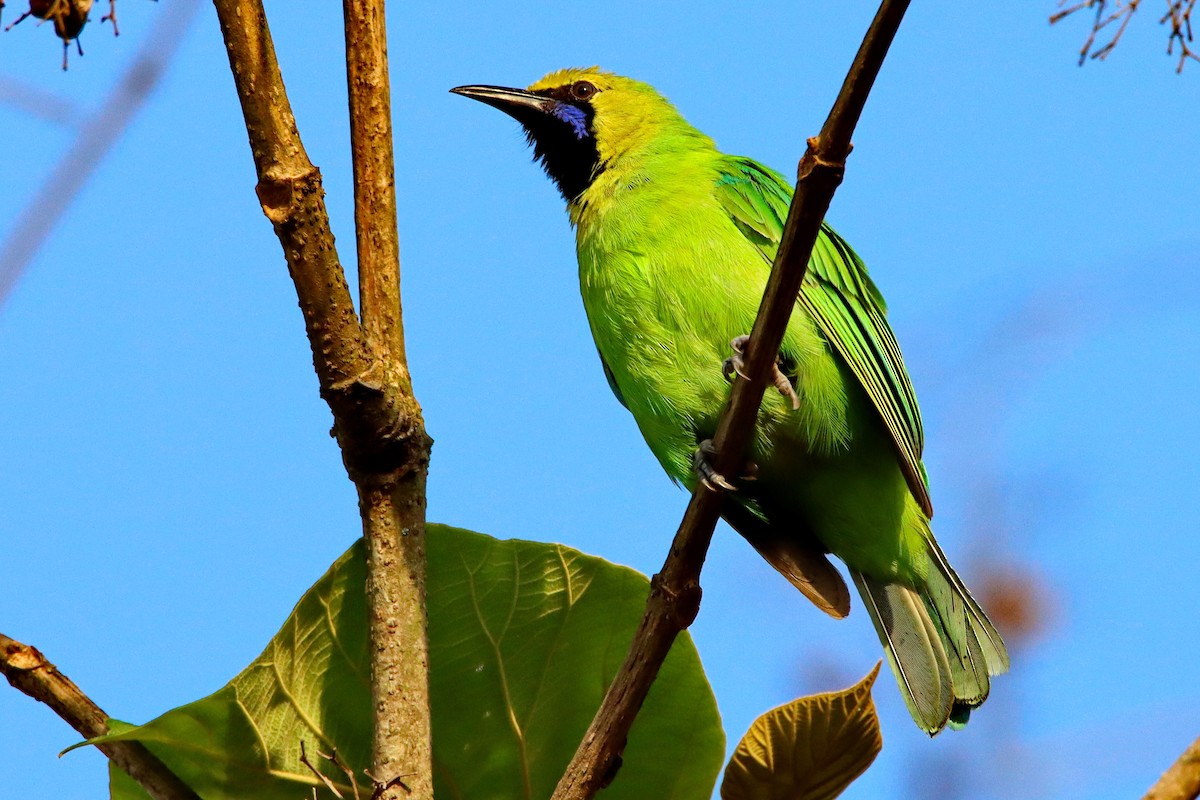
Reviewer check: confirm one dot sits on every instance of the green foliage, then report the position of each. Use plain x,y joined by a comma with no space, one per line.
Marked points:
524,638
809,749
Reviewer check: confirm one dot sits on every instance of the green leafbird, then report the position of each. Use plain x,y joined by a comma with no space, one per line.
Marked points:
675,240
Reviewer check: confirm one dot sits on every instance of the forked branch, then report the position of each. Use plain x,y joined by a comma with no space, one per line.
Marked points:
360,366
675,591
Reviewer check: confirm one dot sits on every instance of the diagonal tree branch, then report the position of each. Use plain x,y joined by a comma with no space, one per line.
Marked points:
674,597
29,671
361,368
1181,781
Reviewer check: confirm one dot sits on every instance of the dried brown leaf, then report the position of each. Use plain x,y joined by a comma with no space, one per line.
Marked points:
809,749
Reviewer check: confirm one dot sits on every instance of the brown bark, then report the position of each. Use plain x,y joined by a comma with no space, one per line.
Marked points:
29,671
361,368
371,147
675,591
1181,781
393,513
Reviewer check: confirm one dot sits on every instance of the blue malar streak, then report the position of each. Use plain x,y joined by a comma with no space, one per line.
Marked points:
574,116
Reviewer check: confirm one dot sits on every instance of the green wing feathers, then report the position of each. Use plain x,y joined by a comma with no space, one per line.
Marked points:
846,305
939,643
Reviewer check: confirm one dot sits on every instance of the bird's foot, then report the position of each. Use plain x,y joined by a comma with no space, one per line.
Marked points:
710,477
735,365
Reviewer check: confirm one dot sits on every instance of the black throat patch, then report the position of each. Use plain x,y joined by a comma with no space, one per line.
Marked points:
564,142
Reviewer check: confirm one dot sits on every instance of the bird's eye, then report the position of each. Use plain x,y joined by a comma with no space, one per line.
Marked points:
582,90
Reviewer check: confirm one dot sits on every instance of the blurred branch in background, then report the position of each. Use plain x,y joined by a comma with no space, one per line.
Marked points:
37,102
1117,13
95,136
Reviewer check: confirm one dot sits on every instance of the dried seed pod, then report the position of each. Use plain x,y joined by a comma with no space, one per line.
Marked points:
68,16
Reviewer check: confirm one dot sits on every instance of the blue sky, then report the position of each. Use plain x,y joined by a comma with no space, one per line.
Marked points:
169,489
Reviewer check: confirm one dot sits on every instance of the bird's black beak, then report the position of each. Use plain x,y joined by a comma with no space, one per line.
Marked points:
560,133
516,103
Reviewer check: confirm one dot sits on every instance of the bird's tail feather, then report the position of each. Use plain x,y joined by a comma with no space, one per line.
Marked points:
913,647
945,582
939,643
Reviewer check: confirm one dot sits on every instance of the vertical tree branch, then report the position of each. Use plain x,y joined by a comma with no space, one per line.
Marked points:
29,671
371,146
361,368
1181,781
675,591
393,511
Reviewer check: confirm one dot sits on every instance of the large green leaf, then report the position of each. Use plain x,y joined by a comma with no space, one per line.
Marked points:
809,749
524,637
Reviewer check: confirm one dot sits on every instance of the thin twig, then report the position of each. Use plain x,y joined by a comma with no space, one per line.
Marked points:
111,16
1180,17
29,671
1181,781
321,776
381,787
1124,15
360,367
332,758
675,591
1178,14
